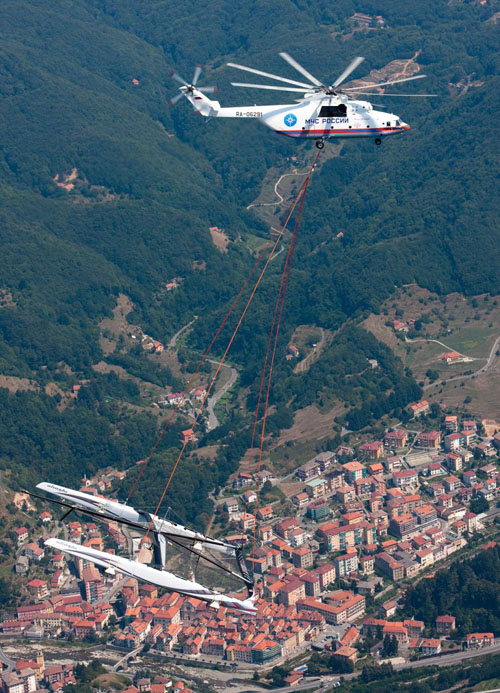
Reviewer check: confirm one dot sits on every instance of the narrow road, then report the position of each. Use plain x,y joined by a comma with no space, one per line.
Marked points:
5,659
436,341
213,421
278,253
312,356
441,661
172,343
276,192
483,369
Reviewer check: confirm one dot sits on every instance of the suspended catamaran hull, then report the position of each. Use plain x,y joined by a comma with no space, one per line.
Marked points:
159,578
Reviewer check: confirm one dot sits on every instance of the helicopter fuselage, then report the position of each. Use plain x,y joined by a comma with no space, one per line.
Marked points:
314,118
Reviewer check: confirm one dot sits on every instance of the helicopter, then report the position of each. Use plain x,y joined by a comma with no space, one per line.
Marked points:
323,113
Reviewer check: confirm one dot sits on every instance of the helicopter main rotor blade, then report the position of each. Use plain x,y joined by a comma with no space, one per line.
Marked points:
374,93
267,86
175,99
291,61
197,73
208,90
350,68
178,78
383,84
269,74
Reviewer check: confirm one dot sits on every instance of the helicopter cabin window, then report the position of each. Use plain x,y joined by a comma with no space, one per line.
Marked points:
339,111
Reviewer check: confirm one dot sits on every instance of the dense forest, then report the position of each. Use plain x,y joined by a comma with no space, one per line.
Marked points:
84,100
469,590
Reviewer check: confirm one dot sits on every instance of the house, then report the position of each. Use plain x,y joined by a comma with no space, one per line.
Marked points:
403,526
316,488
345,494
308,470
468,437
490,470
450,357
414,628
398,325
451,424
346,607
469,425
34,552
285,526
300,499
249,497
405,478
265,651
38,588
396,629
375,468
302,557
396,439
265,533
430,440
388,566
366,565
232,505
265,513
291,592
318,509
372,451
246,521
188,436
454,462
445,624
297,536
419,408
326,574
21,534
353,470
346,564
476,640
434,469
430,646
325,460
347,654
263,476
452,442
451,483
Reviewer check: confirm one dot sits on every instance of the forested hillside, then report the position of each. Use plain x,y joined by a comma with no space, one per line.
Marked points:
468,590
106,190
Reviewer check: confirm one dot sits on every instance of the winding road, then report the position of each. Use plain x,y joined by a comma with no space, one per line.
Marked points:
280,197
173,342
213,421
436,341
312,356
483,369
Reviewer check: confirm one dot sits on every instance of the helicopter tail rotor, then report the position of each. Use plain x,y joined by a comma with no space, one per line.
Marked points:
187,89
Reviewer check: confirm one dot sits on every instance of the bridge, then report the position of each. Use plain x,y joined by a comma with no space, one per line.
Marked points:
122,663
5,659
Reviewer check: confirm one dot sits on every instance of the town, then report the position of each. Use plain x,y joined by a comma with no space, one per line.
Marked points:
330,574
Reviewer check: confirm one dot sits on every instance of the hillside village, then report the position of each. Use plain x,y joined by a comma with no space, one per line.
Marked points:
330,575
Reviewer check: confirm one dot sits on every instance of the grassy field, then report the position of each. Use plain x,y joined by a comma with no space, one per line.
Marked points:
467,325
115,681
491,685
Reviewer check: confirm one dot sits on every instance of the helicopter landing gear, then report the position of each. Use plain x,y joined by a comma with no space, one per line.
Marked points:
378,141
320,144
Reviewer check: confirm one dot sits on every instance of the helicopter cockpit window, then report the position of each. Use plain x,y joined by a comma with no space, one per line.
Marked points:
339,111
